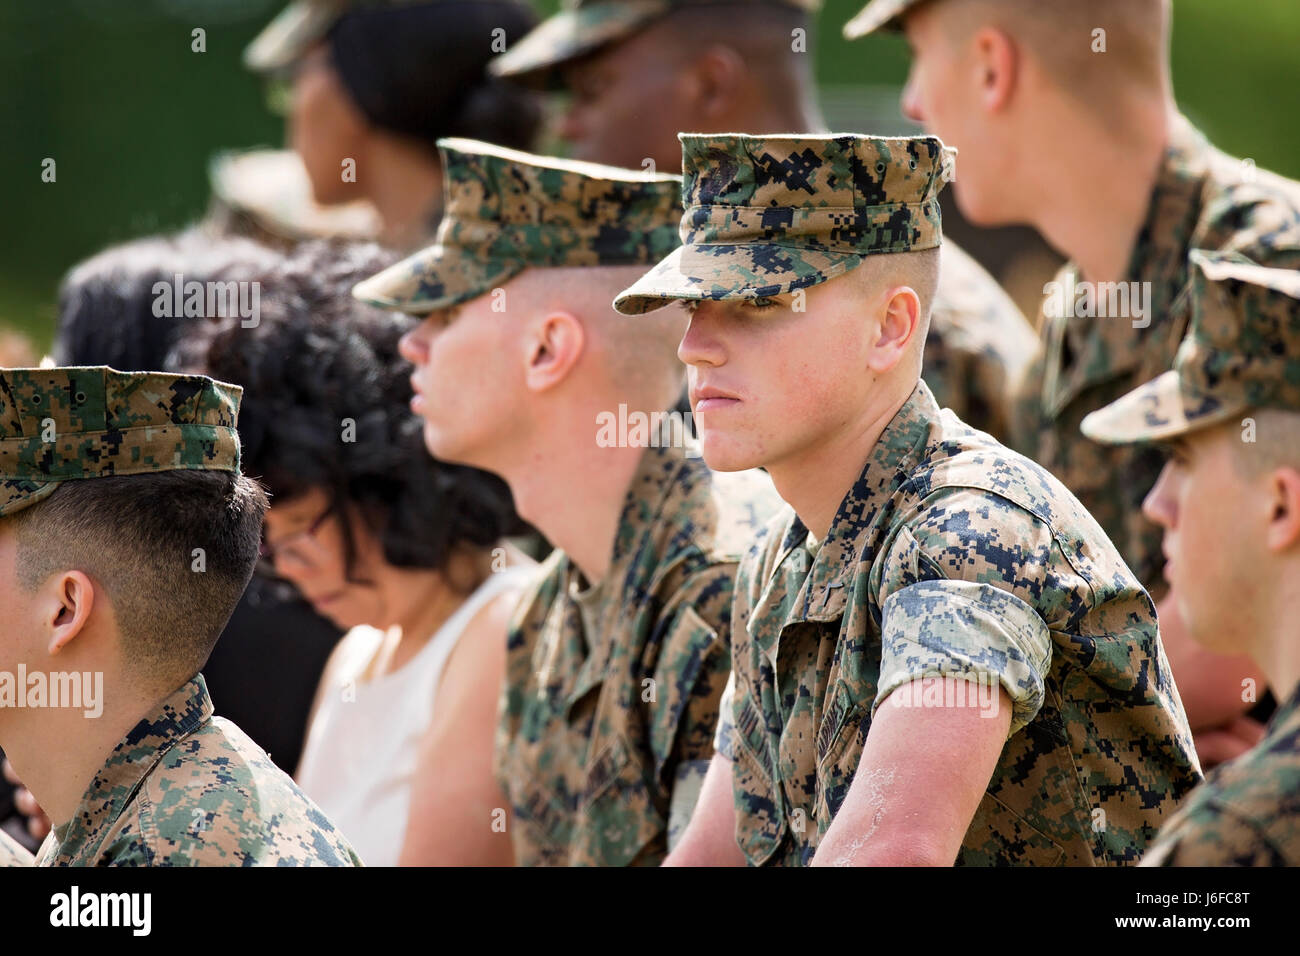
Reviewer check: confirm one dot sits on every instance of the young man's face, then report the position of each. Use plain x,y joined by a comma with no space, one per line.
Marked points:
1212,517
769,383
628,102
942,95
466,376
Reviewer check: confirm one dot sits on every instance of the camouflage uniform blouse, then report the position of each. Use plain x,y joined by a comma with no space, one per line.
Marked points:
1247,813
185,788
952,556
1203,199
595,726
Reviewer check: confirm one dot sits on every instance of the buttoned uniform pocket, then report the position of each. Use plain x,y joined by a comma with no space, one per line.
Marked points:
620,821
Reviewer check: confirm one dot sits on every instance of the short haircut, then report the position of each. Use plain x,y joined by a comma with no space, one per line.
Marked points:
1060,35
762,33
918,269
1276,441
172,550
318,360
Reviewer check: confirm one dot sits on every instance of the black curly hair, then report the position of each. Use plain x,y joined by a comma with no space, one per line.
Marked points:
326,406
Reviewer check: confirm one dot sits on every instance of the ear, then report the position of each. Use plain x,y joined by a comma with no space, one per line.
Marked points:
997,65
898,324
717,76
554,348
1284,519
69,599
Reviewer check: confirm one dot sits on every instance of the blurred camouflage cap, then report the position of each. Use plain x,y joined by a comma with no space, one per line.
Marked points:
59,424
298,27
506,211
1242,351
271,187
767,215
877,15
584,26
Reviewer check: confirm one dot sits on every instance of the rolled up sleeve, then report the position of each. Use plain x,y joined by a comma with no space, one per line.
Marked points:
961,629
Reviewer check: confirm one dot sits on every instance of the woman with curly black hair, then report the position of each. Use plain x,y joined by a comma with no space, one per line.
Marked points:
405,552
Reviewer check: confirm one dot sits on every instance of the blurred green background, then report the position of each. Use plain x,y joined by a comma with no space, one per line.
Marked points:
112,92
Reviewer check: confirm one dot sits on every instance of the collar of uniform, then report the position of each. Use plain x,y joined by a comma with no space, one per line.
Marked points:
117,781
1286,719
1101,349
654,479
894,457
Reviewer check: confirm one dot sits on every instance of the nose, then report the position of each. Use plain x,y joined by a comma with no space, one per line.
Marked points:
414,345
701,344
568,124
910,102
1161,505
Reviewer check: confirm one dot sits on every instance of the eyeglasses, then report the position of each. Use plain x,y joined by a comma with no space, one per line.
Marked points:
295,545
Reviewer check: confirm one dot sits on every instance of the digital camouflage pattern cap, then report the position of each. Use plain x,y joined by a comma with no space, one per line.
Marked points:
584,26
877,15
506,211
59,424
1242,351
767,215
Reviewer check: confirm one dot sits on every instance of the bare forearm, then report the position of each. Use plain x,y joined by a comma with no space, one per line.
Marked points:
710,837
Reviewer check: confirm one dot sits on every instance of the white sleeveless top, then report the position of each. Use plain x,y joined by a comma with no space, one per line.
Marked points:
359,757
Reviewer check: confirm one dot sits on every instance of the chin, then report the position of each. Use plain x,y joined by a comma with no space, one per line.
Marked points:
723,455
972,206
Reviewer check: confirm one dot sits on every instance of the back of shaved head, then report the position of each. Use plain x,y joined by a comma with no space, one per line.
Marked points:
636,356
1086,46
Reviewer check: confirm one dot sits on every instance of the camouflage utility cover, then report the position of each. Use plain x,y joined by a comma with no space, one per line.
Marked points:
59,424
506,211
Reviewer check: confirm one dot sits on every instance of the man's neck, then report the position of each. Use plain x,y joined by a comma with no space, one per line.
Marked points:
1278,651
573,491
58,751
1095,190
815,481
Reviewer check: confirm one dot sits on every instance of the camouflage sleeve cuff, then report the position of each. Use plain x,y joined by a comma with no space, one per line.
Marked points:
962,629
722,737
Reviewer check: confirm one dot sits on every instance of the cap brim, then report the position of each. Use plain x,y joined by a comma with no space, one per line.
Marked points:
293,31
571,34
1156,411
721,272
272,186
17,494
877,15
435,278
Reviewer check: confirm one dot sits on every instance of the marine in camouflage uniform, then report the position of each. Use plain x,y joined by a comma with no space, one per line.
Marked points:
950,556
978,340
1242,353
612,689
182,787
1203,199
